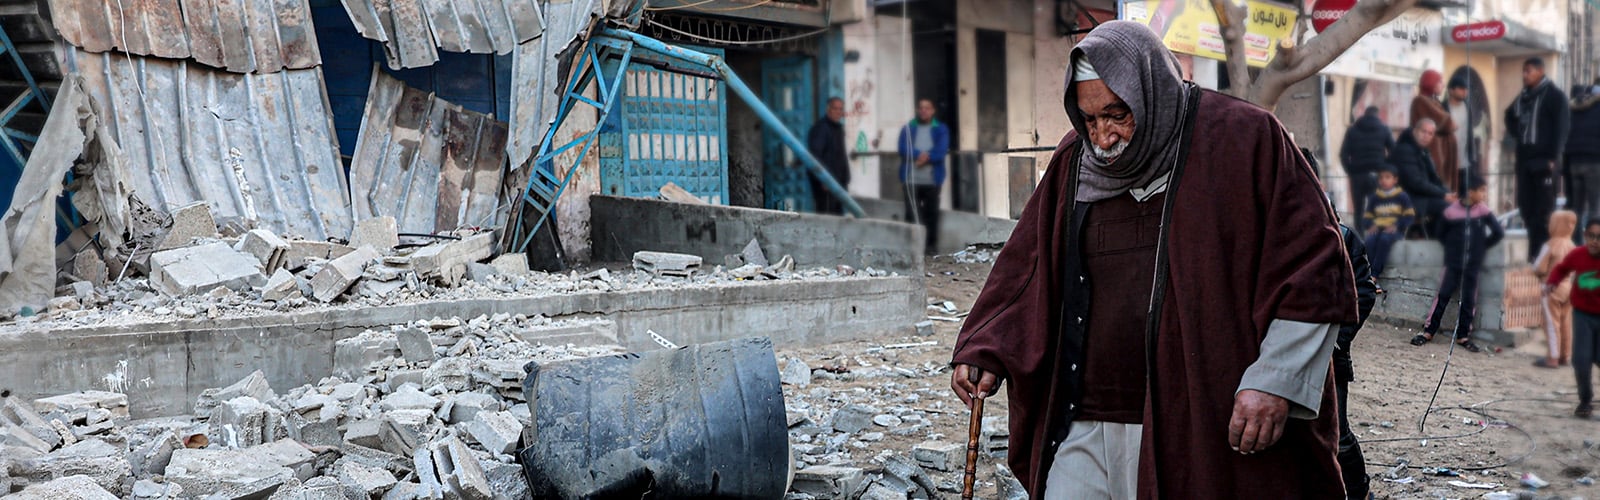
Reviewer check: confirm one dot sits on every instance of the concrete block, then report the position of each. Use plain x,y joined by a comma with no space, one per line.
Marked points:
415,346
380,233
348,391
828,482
362,481
454,373
340,273
83,290
418,377
13,412
253,385
480,272
76,487
940,456
226,473
466,406
243,422
189,222
379,289
287,453
409,491
752,254
497,431
506,480
408,398
266,247
796,373
83,401
353,355
146,489
313,430
318,488
283,285
879,491
364,433
460,471
301,250
404,430
191,270
852,419
670,264
88,266
101,461
15,436
451,258
152,457
511,264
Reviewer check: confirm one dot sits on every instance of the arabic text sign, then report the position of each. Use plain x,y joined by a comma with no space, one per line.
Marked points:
1190,27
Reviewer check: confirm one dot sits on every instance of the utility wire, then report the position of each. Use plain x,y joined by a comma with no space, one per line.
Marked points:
735,42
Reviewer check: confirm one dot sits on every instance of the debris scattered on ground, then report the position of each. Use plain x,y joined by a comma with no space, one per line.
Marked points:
977,254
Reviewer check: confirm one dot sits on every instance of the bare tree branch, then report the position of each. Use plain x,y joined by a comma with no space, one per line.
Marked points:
1305,61
1231,18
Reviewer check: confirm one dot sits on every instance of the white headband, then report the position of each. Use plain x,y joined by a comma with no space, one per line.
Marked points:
1082,71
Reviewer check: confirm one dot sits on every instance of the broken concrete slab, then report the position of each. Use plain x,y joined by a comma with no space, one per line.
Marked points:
497,431
87,265
752,254
363,481
940,456
404,430
352,356
466,406
511,264
366,433
796,373
301,250
506,480
408,397
318,488
146,489
152,457
340,273
415,346
283,285
829,482
190,270
380,233
459,470
271,250
101,461
13,412
852,419
188,223
75,487
287,453
314,431
229,473
481,272
667,264
253,385
243,422
448,261
83,402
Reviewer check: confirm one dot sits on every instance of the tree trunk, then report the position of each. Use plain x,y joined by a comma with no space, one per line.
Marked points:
1295,63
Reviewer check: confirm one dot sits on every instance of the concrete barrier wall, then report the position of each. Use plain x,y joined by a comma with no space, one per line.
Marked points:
956,229
1412,280
163,367
622,226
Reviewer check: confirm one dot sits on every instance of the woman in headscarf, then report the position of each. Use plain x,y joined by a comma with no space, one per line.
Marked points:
1446,158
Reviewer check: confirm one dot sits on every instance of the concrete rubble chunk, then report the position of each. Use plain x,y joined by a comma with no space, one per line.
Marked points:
191,270
62,304
318,488
146,489
229,474
302,250
152,457
506,480
253,385
940,456
314,431
19,416
189,222
481,272
288,453
448,261
780,269
101,461
380,233
903,475
402,431
454,373
408,397
348,391
467,405
340,273
852,419
511,264
353,356
83,401
365,433
828,482
281,286
415,346
271,250
497,431
753,255
243,422
795,373
362,481
459,470
880,491
667,264
995,437
87,265
83,290
1006,484
76,487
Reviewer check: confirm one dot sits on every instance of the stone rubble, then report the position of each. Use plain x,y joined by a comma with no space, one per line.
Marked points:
391,426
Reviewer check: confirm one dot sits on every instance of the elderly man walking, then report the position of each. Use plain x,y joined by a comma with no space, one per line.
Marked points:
1163,315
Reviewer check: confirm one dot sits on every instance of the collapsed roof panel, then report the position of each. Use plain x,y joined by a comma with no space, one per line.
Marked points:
256,147
537,78
413,31
429,163
242,36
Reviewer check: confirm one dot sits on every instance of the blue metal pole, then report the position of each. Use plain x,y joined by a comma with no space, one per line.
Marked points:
738,86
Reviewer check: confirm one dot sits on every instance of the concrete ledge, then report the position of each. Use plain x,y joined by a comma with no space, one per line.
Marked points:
622,226
163,366
1412,280
957,229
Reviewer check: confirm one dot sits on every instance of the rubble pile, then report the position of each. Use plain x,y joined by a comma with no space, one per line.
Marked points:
197,272
977,254
862,426
431,409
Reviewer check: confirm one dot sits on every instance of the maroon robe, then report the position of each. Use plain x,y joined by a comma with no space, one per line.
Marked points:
1252,239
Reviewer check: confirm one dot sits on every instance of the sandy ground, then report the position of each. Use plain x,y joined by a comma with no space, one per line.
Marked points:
1496,416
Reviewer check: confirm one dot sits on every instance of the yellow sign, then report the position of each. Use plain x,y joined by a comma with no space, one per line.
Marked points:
1190,27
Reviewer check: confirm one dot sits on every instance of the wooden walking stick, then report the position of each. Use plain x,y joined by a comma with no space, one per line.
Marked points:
974,431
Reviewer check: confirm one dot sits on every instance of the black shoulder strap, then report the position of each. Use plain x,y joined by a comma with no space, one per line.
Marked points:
1159,286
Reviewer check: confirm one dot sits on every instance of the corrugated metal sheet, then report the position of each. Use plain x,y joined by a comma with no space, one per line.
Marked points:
411,29
244,36
535,73
430,164
256,147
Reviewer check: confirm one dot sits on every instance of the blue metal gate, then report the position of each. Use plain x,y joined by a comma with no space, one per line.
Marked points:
786,87
672,127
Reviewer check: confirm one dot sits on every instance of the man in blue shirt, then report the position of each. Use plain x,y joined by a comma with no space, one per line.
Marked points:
924,143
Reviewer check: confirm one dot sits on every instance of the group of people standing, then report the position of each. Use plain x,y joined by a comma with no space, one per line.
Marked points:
924,145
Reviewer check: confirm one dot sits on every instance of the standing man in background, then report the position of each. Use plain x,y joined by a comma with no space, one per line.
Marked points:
1537,120
1583,154
826,142
1364,153
924,143
1470,127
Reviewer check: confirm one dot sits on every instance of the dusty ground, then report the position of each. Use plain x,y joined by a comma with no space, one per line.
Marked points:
1496,416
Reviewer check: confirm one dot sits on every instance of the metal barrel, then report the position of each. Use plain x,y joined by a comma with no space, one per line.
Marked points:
702,421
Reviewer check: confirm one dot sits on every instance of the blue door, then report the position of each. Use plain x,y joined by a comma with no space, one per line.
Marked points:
786,88
670,126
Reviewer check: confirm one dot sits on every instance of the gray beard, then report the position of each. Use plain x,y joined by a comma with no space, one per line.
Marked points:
1109,154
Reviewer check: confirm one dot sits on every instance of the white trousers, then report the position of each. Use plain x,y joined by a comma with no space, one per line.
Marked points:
1098,460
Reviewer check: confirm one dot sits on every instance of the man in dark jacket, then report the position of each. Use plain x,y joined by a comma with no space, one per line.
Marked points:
1366,146
1351,462
1418,177
1583,155
1538,120
826,142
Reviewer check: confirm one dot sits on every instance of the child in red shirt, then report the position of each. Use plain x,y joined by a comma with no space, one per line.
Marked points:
1585,298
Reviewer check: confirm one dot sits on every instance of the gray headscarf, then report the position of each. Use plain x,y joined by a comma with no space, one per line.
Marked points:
1139,69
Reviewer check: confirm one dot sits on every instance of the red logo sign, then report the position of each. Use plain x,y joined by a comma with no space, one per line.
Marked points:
1478,32
1327,11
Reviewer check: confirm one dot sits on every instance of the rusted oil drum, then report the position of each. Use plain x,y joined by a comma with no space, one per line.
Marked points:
702,421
